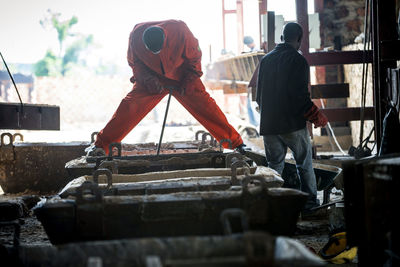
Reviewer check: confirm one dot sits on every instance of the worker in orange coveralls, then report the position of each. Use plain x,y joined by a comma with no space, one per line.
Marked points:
164,54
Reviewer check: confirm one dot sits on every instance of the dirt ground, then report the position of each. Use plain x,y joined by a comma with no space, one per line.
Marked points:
312,233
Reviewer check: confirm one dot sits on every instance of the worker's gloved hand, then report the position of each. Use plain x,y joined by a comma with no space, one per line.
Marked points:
315,116
187,82
153,85
94,151
241,149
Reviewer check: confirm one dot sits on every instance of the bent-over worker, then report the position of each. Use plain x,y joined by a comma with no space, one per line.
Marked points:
164,54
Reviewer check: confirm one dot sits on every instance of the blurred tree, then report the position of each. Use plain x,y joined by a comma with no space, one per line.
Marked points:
51,65
48,66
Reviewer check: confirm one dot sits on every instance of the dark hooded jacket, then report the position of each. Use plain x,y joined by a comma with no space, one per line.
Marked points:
282,91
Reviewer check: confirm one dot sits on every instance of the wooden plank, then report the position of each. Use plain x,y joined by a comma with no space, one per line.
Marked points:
323,143
228,86
33,117
338,57
302,19
348,114
271,30
335,90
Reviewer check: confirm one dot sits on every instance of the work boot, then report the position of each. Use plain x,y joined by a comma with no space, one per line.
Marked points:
241,149
94,151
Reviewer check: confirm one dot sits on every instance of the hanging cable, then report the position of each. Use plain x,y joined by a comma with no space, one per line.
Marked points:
332,133
364,77
12,79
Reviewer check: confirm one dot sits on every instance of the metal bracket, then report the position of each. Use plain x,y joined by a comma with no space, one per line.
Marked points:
248,179
231,157
234,212
234,166
225,141
10,138
198,133
7,152
109,164
106,172
118,146
88,192
21,137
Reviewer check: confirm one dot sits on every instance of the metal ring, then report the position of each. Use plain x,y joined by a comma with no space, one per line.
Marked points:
21,137
198,133
106,164
229,159
204,137
107,172
3,135
111,146
234,166
225,141
234,212
88,187
249,179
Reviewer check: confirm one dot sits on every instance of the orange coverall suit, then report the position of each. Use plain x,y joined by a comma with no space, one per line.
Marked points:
179,65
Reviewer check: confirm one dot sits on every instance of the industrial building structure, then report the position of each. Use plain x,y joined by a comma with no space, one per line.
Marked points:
192,203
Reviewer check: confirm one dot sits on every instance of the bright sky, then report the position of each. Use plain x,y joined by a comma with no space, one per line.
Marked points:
23,40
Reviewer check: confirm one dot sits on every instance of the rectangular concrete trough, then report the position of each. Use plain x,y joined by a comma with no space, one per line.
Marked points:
38,167
247,249
150,163
173,181
93,216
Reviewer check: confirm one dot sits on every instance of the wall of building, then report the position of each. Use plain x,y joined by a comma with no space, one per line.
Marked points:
353,76
343,19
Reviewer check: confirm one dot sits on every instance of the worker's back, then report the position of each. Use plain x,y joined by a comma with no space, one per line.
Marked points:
282,91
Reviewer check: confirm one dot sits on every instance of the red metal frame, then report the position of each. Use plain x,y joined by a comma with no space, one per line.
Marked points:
239,23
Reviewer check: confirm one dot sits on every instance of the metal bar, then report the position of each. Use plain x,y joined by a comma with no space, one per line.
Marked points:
271,30
12,79
335,90
348,114
165,119
33,117
239,23
302,19
223,24
338,58
262,10
383,29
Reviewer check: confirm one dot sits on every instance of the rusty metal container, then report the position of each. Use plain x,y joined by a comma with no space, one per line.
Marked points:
92,216
38,167
172,181
150,163
242,249
372,198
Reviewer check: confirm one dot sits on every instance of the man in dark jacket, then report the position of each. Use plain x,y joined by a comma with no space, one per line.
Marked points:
285,106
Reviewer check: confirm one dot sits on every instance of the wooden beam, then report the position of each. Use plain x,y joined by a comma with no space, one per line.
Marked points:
338,57
271,30
302,19
348,114
228,86
335,90
32,117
